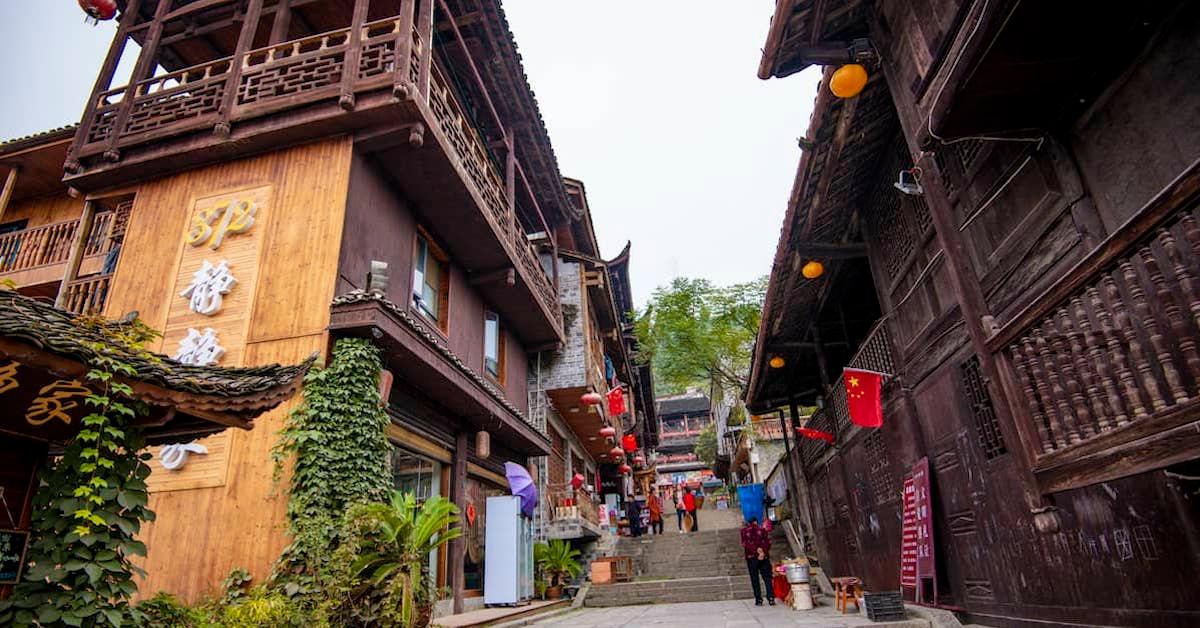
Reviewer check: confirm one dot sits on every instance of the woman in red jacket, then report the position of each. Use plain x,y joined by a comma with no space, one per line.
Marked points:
689,504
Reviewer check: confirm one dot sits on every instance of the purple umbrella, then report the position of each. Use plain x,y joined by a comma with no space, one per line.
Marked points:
522,486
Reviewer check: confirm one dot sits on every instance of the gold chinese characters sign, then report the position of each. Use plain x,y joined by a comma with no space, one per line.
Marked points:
37,404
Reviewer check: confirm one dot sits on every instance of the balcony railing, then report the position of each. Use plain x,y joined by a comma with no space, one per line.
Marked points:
87,295
568,503
1107,361
50,244
298,73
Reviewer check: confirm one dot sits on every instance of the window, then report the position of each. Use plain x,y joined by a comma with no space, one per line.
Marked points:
414,474
493,346
430,280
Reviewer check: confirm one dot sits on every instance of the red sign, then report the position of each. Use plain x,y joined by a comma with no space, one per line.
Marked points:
908,537
924,514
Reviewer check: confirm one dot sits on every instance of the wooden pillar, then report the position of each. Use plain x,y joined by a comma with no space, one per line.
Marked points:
458,493
71,272
10,182
234,80
822,363
103,82
143,67
800,512
970,297
353,54
401,85
425,31
283,22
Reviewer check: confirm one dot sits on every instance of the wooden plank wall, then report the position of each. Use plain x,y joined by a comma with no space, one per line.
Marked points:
202,533
43,210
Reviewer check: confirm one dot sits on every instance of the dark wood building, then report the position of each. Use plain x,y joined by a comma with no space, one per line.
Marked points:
1036,303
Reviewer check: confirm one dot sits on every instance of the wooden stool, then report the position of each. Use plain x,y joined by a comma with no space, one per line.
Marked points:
846,590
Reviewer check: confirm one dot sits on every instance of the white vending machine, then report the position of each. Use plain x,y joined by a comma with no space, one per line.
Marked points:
508,553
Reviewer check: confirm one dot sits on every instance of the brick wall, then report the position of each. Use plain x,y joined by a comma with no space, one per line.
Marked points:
557,462
567,368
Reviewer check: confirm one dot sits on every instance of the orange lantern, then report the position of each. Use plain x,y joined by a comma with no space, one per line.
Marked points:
777,362
812,270
848,81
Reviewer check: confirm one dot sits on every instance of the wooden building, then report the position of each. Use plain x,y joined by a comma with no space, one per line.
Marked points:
326,168
681,419
1034,303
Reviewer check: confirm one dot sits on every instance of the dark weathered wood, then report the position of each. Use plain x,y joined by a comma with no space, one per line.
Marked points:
233,81
141,70
353,54
282,23
507,276
103,81
476,77
832,250
425,31
458,493
403,48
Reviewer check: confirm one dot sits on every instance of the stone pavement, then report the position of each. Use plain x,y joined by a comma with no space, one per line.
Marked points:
722,614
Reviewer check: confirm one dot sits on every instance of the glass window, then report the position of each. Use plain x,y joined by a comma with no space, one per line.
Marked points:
429,281
493,345
414,474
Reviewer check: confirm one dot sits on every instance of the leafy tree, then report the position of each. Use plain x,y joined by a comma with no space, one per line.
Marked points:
695,333
706,445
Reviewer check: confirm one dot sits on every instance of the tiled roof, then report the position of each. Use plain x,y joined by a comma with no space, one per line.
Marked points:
245,392
39,137
362,296
680,405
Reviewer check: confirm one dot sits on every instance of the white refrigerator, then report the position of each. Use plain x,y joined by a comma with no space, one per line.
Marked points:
508,553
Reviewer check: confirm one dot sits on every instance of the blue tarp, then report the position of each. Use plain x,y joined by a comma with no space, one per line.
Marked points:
751,497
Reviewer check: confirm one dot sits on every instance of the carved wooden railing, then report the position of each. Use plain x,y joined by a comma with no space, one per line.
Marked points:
1110,355
50,244
87,295
568,503
812,450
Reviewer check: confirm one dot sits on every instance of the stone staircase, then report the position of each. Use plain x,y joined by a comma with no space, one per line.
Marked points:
706,565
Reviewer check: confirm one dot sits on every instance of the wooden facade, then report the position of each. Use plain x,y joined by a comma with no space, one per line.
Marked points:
1033,306
308,147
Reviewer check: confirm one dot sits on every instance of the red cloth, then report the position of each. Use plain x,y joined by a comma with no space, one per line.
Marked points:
808,432
754,538
689,502
862,397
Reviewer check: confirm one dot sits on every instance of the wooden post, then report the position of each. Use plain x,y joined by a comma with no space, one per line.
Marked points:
103,83
483,91
425,30
458,493
822,363
10,182
403,47
790,424
353,55
970,299
144,65
71,272
234,81
283,22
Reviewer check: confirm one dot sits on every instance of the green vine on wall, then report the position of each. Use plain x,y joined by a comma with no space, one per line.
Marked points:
337,436
91,501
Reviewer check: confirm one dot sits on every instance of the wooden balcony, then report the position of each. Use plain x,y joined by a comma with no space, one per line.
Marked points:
1104,367
378,82
36,256
87,295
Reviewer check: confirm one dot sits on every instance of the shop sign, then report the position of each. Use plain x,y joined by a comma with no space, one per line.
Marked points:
12,555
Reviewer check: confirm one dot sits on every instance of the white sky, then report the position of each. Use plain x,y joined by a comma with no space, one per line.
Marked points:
654,104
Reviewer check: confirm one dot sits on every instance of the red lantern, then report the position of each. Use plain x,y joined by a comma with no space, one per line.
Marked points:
624,468
577,481
99,10
616,453
608,432
629,442
591,399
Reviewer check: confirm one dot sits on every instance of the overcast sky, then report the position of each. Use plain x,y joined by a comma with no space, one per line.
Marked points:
654,104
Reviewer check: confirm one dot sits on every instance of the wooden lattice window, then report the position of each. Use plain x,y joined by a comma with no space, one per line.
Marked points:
883,481
987,427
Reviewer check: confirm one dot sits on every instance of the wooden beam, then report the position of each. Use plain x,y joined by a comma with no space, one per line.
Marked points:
403,47
283,22
506,275
103,83
141,70
234,78
71,272
353,54
425,31
475,75
465,19
10,182
458,493
830,250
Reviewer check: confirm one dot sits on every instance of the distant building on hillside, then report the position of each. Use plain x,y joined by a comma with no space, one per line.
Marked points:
681,418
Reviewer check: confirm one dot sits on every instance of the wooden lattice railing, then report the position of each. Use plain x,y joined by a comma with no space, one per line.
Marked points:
87,295
1110,355
50,244
568,503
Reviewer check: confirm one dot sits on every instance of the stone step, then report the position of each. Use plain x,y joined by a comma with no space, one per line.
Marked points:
670,591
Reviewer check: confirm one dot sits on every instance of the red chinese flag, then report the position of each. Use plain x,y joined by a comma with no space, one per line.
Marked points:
616,402
862,396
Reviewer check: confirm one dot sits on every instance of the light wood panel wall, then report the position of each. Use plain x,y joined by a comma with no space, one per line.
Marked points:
43,210
204,532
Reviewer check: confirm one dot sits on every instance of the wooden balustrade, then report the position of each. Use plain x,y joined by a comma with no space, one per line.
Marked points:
568,503
1110,355
49,244
87,295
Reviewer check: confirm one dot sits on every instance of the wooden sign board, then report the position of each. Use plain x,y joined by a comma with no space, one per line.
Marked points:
908,538
13,544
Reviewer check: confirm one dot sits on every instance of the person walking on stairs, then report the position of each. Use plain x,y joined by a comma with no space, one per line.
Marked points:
680,509
633,511
689,504
756,544
655,506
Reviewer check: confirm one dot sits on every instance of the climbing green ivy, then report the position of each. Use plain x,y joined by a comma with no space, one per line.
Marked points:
337,436
91,501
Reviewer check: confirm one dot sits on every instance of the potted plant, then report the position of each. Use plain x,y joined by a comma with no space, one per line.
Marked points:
557,561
